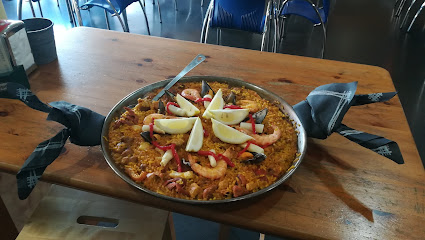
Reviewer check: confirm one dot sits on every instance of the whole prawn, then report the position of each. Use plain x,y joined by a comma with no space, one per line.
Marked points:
264,140
191,94
211,173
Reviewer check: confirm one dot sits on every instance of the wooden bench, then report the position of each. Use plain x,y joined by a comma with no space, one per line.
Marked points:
66,213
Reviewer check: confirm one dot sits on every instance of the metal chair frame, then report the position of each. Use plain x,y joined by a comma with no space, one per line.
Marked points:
415,17
207,21
318,14
124,23
19,9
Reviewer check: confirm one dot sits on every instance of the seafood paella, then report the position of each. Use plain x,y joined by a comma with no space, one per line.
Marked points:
203,141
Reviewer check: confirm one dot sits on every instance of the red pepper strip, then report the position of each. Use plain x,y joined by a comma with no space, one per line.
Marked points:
232,107
173,150
205,133
176,157
151,128
168,105
219,156
207,153
203,99
246,148
227,160
265,145
252,123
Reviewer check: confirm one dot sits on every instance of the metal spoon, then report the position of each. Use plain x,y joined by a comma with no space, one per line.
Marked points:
197,60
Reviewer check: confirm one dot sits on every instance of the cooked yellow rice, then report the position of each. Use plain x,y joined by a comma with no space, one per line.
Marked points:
130,151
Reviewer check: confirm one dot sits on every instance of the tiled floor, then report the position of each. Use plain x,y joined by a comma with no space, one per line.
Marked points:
359,31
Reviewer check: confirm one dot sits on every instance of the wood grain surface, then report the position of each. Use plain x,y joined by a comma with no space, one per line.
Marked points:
66,213
340,191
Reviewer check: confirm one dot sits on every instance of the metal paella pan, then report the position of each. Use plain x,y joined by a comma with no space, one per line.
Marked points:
131,99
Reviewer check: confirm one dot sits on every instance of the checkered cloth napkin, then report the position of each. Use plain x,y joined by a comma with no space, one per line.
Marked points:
82,126
321,114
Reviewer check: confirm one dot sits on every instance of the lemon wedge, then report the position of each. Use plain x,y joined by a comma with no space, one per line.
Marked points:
216,103
228,134
190,109
230,116
176,125
196,137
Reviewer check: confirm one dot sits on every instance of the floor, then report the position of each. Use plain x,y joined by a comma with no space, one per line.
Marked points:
358,31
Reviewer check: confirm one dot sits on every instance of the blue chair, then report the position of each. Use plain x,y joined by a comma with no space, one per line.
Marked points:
246,15
19,10
308,10
115,7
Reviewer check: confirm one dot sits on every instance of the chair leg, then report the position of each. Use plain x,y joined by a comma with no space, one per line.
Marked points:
175,5
39,7
282,30
70,13
76,9
159,11
262,41
32,8
406,15
124,16
206,31
218,36
267,26
19,8
107,20
400,8
202,3
146,18
57,1
275,30
416,15
118,16
205,25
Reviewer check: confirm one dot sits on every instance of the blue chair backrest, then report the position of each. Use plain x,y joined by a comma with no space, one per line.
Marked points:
303,8
122,4
119,5
247,15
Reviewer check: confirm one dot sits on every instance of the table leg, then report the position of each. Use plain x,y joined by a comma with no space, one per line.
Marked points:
9,230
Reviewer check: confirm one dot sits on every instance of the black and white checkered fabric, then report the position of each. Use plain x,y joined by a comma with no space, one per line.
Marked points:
325,107
83,127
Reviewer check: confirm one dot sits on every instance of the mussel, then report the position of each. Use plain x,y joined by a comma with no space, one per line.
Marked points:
170,96
260,115
231,99
205,89
146,136
161,107
257,158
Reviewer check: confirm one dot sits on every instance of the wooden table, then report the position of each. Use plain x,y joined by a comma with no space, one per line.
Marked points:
340,191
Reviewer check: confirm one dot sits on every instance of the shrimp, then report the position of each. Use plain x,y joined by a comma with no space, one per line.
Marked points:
133,175
211,173
264,140
191,94
149,118
253,106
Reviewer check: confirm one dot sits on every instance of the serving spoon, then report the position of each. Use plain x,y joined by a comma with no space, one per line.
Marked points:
195,62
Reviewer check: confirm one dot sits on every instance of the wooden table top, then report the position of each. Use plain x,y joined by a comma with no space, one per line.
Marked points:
340,191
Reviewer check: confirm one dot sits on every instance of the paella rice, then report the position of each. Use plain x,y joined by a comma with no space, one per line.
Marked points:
237,143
